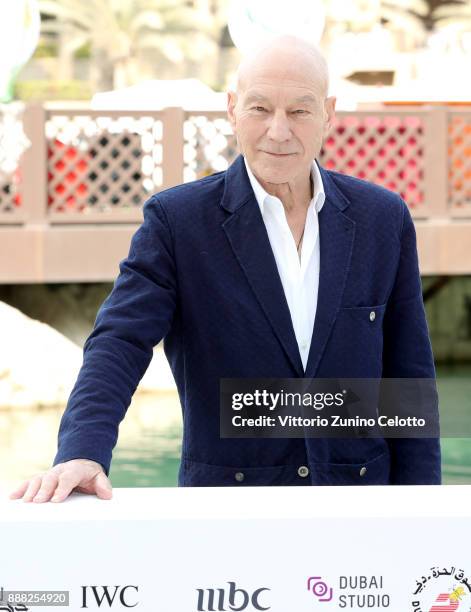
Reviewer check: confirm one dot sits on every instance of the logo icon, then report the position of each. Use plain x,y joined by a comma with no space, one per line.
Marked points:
442,589
319,588
110,599
237,599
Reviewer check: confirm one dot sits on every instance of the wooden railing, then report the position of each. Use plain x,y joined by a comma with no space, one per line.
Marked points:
87,166
69,210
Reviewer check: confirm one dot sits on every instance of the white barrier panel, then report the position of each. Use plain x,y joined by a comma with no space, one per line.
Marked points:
283,549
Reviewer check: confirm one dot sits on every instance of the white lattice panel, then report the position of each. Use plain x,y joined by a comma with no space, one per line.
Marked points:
13,142
209,145
102,163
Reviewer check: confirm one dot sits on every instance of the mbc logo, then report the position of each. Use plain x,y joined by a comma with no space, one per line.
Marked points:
214,600
110,599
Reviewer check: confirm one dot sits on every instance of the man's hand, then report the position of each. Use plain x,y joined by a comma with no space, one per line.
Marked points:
83,475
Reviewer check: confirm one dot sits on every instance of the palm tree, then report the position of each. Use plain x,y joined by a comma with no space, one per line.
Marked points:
429,15
117,31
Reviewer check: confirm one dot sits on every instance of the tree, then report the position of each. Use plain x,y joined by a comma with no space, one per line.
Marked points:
429,15
116,31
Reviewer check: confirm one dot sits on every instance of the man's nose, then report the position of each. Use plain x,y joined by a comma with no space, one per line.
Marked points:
279,129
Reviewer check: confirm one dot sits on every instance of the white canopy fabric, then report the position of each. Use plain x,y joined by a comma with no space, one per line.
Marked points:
155,94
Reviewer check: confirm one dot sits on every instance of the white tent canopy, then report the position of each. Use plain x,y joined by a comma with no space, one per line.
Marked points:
155,94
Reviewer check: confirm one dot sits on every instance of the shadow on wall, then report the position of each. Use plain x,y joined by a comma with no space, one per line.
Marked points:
449,319
70,308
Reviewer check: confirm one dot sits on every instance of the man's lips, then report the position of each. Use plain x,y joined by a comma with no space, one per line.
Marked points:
278,154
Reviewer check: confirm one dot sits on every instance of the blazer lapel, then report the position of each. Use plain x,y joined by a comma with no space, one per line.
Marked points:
336,236
248,238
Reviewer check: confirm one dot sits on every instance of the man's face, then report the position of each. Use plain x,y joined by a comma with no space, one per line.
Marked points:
280,119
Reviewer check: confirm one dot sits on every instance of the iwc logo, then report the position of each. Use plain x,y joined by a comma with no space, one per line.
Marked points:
441,590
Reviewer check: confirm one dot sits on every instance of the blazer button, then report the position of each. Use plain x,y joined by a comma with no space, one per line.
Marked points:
239,476
372,315
363,471
303,471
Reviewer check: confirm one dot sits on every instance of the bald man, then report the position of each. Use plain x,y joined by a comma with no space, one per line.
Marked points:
274,268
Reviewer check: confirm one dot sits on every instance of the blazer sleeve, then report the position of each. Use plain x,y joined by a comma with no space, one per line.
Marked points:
134,317
407,353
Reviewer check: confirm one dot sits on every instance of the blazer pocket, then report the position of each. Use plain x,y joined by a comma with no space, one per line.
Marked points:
356,345
365,312
375,471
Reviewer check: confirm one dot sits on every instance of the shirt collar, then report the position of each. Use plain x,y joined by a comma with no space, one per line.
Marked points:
262,195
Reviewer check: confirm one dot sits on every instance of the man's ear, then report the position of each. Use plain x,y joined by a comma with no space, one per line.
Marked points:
329,107
231,102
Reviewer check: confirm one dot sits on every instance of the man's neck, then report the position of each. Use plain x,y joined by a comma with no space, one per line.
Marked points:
293,198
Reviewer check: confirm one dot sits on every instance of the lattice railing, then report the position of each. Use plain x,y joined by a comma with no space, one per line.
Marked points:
384,148
10,196
459,169
100,166
11,136
102,162
209,144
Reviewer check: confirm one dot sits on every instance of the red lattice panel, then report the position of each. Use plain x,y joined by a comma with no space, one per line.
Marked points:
101,163
385,149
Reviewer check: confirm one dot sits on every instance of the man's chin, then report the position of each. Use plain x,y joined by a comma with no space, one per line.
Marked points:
275,176
273,170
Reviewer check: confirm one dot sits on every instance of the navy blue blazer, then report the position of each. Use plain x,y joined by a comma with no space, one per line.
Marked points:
201,275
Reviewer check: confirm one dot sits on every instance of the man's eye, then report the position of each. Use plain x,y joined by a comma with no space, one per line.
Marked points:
296,112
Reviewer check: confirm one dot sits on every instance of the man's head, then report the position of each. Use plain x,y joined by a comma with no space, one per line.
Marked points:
280,106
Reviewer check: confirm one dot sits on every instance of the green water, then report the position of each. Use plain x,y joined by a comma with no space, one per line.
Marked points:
149,465
148,449
454,387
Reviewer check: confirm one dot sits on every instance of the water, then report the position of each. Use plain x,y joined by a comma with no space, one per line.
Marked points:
148,450
454,386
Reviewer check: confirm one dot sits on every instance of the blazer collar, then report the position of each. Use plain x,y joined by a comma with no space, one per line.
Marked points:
238,189
262,195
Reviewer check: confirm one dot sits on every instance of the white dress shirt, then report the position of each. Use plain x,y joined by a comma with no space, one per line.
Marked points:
299,275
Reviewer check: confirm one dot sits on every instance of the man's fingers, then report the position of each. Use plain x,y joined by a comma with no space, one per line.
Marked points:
103,486
33,487
57,483
48,486
67,482
19,491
